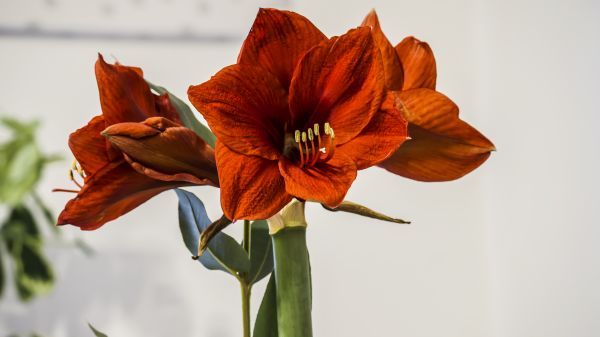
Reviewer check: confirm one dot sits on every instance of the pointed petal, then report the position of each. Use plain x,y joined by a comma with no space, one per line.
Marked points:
352,207
276,42
89,147
110,193
442,147
246,108
251,187
164,150
340,82
381,138
391,63
126,97
326,183
418,64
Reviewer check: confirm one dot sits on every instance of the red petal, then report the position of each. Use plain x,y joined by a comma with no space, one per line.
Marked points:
442,147
251,187
276,42
163,150
418,64
340,82
382,136
126,97
246,108
325,183
391,63
110,193
89,147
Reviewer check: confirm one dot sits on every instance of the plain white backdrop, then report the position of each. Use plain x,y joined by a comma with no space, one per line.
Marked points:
509,251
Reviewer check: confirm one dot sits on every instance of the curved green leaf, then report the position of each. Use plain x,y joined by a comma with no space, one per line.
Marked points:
261,252
266,319
223,252
187,115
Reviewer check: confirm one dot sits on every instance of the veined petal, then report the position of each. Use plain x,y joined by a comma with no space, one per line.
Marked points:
164,150
418,64
246,108
276,42
391,63
339,81
89,147
126,97
113,191
382,136
326,183
442,147
251,187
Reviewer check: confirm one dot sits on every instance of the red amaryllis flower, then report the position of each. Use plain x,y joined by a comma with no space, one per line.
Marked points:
297,116
146,156
442,147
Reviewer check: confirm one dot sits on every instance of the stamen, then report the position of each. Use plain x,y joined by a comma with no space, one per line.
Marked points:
318,139
330,149
313,154
305,145
77,168
297,138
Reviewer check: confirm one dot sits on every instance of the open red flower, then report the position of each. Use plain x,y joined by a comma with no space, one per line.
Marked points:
442,147
143,156
297,116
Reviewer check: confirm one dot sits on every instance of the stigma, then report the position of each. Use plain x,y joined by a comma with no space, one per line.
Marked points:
313,147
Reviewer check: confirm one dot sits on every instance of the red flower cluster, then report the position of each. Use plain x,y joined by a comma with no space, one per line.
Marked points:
295,117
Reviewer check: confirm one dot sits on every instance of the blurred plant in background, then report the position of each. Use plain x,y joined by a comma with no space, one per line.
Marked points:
21,237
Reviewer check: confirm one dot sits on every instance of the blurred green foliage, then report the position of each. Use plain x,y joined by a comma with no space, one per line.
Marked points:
21,239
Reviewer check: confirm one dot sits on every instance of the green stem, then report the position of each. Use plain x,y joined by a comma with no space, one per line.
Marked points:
246,290
292,279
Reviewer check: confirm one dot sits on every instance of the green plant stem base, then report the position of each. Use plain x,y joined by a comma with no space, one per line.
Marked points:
293,284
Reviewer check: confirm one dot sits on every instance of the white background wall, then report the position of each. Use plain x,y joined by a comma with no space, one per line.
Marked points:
509,251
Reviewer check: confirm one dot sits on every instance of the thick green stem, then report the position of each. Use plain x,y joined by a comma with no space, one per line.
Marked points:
292,279
246,308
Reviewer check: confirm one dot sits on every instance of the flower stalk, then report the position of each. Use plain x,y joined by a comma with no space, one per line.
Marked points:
245,288
292,271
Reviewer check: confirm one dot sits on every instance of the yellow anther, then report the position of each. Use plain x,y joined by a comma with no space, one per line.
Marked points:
297,136
331,133
310,134
327,128
304,137
316,129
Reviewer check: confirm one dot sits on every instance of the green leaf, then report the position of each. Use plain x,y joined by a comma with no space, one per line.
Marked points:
33,275
187,115
223,252
19,225
21,172
32,272
266,319
261,252
96,332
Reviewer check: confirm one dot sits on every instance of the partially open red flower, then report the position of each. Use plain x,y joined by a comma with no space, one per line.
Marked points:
117,178
297,116
442,147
